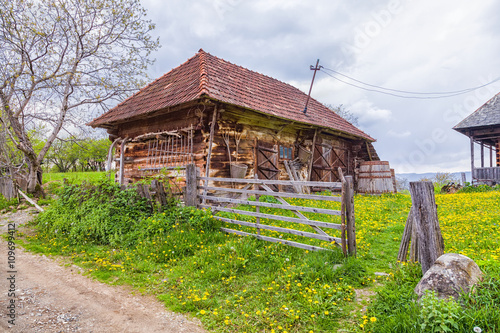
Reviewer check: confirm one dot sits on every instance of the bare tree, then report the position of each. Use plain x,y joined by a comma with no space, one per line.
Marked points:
60,60
344,113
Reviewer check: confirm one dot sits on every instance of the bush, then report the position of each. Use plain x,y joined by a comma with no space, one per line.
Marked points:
468,188
6,204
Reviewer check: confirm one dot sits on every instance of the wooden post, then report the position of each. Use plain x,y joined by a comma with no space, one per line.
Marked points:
191,195
311,162
121,175
342,213
472,159
349,216
257,208
464,179
426,224
482,155
210,143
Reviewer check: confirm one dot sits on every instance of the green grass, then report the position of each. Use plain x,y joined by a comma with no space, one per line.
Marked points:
74,177
237,284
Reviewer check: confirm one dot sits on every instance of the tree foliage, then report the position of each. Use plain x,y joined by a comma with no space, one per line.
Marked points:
345,113
62,59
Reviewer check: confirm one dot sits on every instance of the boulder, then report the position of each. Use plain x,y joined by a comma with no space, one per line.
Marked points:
450,275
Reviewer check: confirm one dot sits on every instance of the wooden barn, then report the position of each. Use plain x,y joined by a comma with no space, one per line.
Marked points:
483,129
242,122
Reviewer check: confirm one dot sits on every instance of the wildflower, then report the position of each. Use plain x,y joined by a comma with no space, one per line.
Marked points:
202,312
373,319
477,329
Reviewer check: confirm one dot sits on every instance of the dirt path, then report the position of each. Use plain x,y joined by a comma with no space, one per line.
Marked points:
53,298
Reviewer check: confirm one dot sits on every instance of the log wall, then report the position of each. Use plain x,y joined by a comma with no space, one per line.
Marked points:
251,127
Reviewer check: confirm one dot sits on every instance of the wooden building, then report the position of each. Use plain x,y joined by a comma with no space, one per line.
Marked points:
483,129
243,122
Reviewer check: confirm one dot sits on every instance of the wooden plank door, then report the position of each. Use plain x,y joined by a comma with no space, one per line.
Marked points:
267,162
327,160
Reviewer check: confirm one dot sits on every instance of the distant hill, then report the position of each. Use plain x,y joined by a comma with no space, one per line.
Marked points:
413,177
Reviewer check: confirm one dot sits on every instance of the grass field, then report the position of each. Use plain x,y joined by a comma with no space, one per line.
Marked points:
235,284
73,177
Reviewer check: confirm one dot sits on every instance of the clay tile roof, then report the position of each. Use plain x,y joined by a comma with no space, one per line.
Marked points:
486,115
207,75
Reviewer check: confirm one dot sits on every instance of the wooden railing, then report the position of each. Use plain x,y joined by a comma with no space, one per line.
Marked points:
226,198
491,174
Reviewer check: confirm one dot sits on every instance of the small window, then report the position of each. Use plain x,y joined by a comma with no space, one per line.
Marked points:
286,153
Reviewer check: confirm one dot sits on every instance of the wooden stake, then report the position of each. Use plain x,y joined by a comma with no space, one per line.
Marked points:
210,142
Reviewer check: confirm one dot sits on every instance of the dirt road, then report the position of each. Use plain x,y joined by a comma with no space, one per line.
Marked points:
52,298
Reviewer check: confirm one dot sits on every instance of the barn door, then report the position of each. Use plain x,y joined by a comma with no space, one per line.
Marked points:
327,160
267,162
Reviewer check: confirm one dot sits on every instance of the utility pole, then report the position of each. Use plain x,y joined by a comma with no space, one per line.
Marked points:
315,69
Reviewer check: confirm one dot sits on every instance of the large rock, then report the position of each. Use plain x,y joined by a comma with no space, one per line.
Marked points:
450,274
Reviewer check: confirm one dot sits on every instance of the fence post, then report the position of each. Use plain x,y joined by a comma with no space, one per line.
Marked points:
349,216
191,195
426,224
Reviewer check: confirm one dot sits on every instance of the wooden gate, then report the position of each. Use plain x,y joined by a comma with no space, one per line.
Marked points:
227,199
326,162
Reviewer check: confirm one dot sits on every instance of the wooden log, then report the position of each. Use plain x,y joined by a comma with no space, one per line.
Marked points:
414,242
349,216
210,143
342,210
405,240
191,194
430,240
30,201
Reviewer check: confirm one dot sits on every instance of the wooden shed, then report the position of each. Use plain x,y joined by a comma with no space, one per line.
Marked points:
483,129
242,122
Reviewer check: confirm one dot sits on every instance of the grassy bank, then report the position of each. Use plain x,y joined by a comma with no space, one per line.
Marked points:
241,284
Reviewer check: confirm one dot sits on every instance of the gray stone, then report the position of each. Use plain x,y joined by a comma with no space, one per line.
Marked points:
450,275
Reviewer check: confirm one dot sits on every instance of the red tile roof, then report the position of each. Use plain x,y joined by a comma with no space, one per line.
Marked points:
207,75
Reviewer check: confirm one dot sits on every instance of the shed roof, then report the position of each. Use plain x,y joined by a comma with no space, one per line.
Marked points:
486,115
205,75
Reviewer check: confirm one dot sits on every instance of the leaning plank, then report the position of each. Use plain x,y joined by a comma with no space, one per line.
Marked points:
30,201
279,229
274,217
271,205
337,185
405,240
274,194
276,240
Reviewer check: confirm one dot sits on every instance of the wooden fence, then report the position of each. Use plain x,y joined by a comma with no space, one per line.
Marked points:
8,188
226,198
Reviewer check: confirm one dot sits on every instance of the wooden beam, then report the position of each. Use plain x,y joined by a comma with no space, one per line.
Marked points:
472,158
309,169
482,155
210,143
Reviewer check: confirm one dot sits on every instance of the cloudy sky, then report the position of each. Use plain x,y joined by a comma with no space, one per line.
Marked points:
407,45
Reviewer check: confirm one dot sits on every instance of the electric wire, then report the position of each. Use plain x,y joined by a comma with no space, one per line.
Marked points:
389,91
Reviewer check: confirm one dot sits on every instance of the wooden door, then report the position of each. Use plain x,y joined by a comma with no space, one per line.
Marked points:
267,161
327,160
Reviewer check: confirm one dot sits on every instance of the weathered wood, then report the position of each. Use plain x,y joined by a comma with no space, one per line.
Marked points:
191,193
257,209
342,210
405,239
279,229
472,158
122,159
273,193
8,188
336,185
311,161
110,154
430,240
274,217
414,240
272,205
350,218
297,189
30,201
276,240
299,214
210,143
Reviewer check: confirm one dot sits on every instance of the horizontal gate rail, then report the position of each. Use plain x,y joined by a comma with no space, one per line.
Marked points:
219,198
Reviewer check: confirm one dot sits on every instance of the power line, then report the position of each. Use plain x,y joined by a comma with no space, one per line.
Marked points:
389,91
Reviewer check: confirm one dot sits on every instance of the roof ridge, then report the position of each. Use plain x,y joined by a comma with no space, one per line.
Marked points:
203,73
